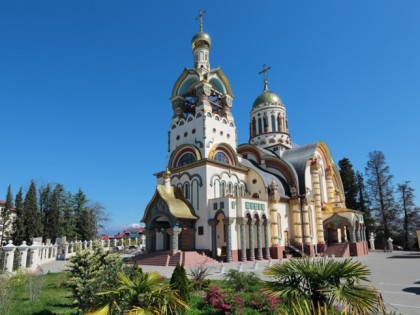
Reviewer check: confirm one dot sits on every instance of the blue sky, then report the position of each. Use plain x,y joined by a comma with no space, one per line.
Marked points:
85,85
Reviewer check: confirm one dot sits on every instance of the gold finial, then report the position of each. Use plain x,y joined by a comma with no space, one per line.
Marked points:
264,73
200,18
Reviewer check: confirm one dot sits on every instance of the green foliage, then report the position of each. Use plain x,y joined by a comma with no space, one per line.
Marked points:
5,217
241,281
179,281
323,281
198,275
91,273
5,296
32,216
145,294
18,235
348,177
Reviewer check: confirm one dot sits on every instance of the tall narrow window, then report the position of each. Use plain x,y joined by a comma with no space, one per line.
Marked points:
187,190
254,127
222,189
280,123
260,130
265,120
273,123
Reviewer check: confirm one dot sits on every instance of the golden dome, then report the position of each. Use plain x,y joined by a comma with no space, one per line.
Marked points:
268,98
199,39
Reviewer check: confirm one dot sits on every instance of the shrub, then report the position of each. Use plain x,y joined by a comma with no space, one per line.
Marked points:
198,276
264,302
5,295
179,281
224,303
241,281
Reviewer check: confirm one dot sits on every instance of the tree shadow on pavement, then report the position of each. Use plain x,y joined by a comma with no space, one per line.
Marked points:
415,290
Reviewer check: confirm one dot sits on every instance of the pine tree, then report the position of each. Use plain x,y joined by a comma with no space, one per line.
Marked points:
32,219
67,217
5,217
381,194
83,217
18,235
349,183
179,281
44,208
363,203
410,213
52,221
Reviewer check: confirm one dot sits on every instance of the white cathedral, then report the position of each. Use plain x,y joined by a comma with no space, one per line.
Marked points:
246,202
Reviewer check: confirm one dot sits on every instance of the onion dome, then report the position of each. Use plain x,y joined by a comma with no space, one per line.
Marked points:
201,38
267,98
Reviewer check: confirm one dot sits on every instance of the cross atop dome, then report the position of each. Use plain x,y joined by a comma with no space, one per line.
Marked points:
200,18
264,73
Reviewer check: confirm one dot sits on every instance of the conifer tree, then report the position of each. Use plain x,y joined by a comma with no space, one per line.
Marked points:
44,208
410,213
18,234
5,217
52,221
348,178
179,281
32,218
82,216
381,193
363,203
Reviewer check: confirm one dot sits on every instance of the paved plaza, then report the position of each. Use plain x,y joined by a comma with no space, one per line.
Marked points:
396,275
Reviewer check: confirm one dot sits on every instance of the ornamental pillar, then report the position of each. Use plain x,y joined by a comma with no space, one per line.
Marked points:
23,249
213,224
174,232
251,239
305,222
338,234
345,233
274,197
267,239
242,222
330,184
352,235
228,222
315,168
259,240
296,219
148,235
9,250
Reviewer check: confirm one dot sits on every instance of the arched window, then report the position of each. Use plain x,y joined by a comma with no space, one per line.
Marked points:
265,119
273,123
221,157
208,114
254,126
260,130
235,191
186,158
256,196
216,118
224,121
222,189
230,190
187,190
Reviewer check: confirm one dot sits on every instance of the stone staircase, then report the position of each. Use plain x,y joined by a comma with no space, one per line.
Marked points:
338,250
189,259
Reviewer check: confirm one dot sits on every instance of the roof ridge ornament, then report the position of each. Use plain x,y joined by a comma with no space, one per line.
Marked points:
264,73
200,18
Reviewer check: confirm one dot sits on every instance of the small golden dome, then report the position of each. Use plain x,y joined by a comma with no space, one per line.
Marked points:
199,39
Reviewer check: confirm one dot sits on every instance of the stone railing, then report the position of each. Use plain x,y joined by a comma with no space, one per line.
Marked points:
26,257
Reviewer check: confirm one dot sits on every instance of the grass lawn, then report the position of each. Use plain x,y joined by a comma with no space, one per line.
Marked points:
55,298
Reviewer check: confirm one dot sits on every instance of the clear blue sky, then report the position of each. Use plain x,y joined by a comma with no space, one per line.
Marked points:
85,85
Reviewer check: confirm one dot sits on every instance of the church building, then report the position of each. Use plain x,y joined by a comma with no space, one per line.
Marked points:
244,202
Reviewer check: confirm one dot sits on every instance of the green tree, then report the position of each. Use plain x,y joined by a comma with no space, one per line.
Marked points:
67,217
5,217
83,216
91,273
44,206
363,203
324,282
32,217
410,213
381,193
348,177
18,234
53,212
146,294
179,281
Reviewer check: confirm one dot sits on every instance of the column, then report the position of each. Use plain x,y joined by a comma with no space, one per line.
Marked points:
296,219
9,251
267,239
274,198
23,254
34,255
251,239
315,167
357,233
345,233
148,240
259,239
242,222
330,184
213,224
352,235
228,222
174,232
305,222
339,234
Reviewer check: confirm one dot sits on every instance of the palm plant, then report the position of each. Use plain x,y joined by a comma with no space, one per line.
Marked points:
146,294
323,282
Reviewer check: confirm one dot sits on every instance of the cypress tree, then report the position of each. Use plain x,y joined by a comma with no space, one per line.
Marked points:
32,219
82,216
52,220
179,281
349,183
44,208
18,234
5,217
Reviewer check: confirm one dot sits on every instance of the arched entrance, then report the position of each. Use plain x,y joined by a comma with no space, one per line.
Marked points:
337,229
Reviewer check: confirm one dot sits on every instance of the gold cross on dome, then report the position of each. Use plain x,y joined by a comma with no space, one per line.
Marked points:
264,73
200,18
